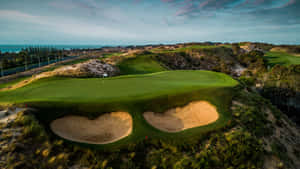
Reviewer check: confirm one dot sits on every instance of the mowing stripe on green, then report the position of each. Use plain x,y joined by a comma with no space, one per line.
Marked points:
117,88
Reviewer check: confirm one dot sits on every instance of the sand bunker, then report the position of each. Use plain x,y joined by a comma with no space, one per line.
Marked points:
195,114
105,129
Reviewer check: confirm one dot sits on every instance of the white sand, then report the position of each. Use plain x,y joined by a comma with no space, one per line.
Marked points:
105,129
195,114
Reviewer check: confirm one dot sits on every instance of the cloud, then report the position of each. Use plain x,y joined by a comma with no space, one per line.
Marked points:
199,7
89,6
16,15
66,25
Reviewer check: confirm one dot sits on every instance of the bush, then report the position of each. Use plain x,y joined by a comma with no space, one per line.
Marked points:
247,81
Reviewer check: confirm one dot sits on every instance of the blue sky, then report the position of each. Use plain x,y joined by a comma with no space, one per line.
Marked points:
123,22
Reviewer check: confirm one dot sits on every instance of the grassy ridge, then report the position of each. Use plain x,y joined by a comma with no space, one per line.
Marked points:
183,49
281,58
140,64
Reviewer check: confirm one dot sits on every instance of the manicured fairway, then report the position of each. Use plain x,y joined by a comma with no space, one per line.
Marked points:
281,58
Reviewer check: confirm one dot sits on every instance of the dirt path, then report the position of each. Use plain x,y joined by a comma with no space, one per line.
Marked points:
105,129
195,114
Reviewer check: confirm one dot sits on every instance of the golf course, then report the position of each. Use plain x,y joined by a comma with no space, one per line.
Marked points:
84,99
281,58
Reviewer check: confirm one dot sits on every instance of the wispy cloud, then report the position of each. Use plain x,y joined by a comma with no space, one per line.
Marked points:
89,5
67,25
199,7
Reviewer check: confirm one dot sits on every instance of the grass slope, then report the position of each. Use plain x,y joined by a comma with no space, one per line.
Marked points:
140,64
281,58
56,97
107,55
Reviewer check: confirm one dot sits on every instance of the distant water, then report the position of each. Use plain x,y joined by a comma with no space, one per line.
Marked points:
18,48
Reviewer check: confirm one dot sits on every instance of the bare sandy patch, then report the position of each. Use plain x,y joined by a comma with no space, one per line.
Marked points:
10,114
90,68
105,129
195,114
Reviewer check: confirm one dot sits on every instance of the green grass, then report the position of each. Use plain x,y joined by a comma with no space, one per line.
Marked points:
203,47
107,55
56,97
188,48
117,88
281,58
140,64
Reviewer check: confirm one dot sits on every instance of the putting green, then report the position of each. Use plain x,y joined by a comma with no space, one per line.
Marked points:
157,92
115,89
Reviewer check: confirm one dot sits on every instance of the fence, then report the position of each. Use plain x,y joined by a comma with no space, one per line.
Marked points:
31,66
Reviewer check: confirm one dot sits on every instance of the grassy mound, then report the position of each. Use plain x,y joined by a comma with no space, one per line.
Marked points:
281,58
157,92
141,64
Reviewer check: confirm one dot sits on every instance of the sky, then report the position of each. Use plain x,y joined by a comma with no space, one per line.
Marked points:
137,22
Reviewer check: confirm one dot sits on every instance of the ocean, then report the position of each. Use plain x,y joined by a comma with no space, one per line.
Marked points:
18,48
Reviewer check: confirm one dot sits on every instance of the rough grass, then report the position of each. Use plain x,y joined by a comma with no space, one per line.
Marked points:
140,64
56,97
281,58
107,55
202,47
183,49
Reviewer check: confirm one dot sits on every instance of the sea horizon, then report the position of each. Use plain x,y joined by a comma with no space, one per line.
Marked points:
18,47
